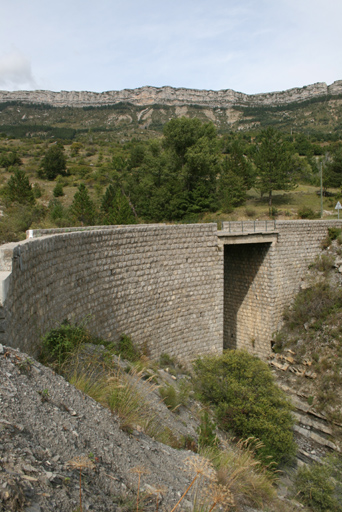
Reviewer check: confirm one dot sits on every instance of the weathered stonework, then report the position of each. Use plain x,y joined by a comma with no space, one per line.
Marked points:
184,290
160,284
263,267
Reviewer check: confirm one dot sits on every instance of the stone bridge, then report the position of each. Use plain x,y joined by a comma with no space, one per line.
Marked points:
179,289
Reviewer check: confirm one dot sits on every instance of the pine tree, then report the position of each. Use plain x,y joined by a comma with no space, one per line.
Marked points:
115,208
82,208
58,190
53,163
275,169
18,188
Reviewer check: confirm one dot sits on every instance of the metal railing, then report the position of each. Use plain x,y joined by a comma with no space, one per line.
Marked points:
249,226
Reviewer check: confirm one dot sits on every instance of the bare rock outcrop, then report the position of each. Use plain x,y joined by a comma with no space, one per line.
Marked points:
172,96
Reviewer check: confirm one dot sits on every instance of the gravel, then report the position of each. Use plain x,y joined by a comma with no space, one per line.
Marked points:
45,423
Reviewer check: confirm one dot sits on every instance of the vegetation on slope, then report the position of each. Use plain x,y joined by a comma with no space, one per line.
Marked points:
189,174
121,378
313,330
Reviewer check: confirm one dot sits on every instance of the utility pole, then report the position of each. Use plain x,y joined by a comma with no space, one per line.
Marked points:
321,190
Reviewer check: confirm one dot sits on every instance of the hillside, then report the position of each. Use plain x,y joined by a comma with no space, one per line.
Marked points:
313,109
46,423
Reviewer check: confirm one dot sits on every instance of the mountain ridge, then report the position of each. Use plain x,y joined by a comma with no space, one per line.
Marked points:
171,96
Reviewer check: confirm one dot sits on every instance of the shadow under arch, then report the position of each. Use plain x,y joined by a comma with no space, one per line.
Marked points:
248,297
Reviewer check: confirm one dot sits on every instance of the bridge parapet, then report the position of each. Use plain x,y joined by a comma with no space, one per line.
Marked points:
249,226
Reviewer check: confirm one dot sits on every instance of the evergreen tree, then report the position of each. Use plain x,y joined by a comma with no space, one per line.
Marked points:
53,163
18,188
58,190
82,208
275,169
115,208
239,164
332,172
231,190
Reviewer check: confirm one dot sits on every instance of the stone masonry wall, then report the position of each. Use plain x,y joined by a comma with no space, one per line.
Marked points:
160,284
297,246
248,297
260,282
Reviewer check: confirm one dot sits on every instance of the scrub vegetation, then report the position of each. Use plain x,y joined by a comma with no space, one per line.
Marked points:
188,171
241,406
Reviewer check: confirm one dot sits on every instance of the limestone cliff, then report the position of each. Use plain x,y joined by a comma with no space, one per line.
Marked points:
172,96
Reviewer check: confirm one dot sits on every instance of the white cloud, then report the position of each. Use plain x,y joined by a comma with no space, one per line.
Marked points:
15,71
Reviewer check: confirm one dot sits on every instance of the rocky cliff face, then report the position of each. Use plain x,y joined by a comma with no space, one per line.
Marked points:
172,96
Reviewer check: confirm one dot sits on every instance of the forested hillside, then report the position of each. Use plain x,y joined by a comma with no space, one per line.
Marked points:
122,163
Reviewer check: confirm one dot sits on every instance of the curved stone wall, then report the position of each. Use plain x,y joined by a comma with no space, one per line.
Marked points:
160,284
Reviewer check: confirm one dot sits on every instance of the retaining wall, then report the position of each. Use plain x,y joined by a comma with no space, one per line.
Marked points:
262,276
184,290
160,284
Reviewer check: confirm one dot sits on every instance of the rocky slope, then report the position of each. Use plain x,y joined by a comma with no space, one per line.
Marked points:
171,96
48,429
45,423
307,366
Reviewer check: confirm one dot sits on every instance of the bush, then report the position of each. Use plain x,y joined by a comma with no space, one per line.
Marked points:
316,302
58,344
315,488
53,163
250,212
58,190
247,401
323,262
37,191
17,220
273,212
206,431
127,350
18,189
174,398
307,213
165,360
169,396
334,233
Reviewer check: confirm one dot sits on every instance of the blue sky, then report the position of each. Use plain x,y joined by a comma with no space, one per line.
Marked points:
250,46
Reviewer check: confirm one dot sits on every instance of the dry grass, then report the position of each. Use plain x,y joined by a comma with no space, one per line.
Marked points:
237,469
125,394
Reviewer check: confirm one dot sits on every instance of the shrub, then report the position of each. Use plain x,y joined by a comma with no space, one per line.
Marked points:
174,398
250,482
18,189
165,360
273,212
127,350
323,262
316,302
206,431
17,220
37,191
169,396
58,190
82,208
247,401
250,212
53,163
315,488
334,233
58,344
307,213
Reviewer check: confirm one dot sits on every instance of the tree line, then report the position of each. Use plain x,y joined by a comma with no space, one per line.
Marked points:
190,170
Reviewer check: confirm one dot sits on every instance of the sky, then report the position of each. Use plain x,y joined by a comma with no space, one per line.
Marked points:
251,46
